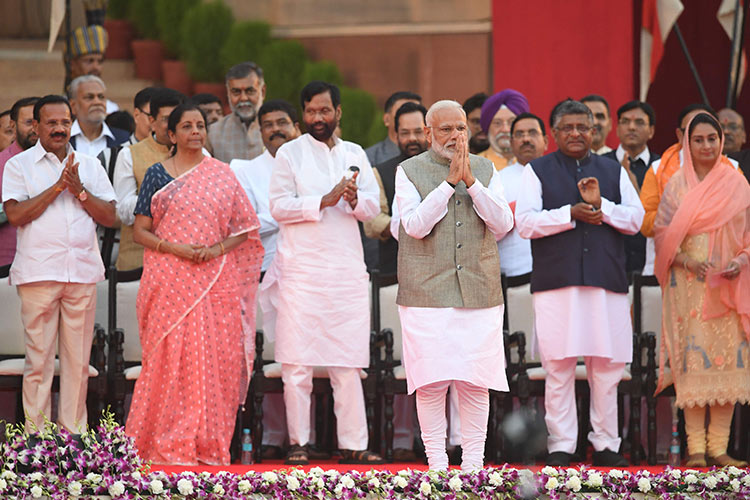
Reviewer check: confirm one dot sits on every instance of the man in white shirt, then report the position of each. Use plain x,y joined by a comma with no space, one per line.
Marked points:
602,122
90,135
315,294
56,198
576,206
452,211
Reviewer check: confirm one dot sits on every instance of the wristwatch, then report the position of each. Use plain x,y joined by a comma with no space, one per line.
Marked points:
82,196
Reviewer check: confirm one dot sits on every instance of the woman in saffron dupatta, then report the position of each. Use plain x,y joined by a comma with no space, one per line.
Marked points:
202,253
702,236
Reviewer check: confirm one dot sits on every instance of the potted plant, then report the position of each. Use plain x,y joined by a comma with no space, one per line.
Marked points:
148,51
204,30
119,30
283,62
169,17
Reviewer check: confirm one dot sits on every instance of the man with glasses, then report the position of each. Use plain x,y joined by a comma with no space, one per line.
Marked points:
130,169
635,127
452,211
575,207
237,135
734,137
498,113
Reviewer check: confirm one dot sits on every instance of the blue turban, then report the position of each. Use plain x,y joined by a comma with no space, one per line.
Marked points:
512,99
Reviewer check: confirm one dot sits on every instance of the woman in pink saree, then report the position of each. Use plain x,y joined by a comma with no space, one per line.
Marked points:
202,254
702,236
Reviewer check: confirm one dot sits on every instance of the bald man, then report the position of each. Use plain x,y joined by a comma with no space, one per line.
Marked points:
734,137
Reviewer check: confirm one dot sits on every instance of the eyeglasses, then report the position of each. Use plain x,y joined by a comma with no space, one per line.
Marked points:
499,122
520,134
731,127
448,129
638,122
249,91
568,129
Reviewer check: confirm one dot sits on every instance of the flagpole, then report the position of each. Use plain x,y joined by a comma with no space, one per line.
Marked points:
690,62
735,90
730,78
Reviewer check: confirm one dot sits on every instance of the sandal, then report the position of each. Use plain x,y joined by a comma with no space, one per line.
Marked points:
271,452
361,457
297,455
696,460
724,461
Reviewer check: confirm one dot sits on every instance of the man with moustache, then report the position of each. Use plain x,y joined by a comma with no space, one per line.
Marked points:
478,141
211,105
237,135
528,140
602,122
575,207
733,126
498,113
56,198
452,211
388,147
22,115
130,169
315,294
409,123
90,134
87,46
635,127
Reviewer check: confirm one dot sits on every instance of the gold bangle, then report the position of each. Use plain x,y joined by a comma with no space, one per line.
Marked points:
158,245
221,244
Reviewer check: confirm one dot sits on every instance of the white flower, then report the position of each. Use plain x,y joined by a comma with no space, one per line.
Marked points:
691,479
244,486
136,475
185,487
269,476
549,471
75,488
374,482
320,484
400,482
316,471
157,487
710,482
644,485
292,483
455,483
675,473
573,483
746,480
722,477
9,475
595,479
3,484
36,491
691,471
735,484
571,471
93,478
116,489
298,473
404,473
425,488
218,489
36,476
496,479
615,474
331,472
347,481
552,483
734,471
338,490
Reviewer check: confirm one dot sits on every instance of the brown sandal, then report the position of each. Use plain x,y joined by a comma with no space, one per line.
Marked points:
361,457
724,461
696,460
297,455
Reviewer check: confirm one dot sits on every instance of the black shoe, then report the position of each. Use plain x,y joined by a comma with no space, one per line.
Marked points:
608,458
558,459
455,455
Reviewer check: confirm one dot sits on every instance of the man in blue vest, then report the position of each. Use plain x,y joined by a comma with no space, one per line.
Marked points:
575,207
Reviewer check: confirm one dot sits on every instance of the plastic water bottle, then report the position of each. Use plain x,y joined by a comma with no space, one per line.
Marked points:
674,445
247,448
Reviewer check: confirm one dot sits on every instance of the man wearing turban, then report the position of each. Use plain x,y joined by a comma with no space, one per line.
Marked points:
498,113
85,53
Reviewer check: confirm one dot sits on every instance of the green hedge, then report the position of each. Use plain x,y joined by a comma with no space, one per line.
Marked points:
358,110
143,16
283,62
204,30
117,9
169,16
245,42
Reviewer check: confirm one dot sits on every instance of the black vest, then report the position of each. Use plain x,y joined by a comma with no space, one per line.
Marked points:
388,249
587,255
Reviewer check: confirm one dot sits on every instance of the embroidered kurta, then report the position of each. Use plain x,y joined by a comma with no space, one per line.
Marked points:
317,282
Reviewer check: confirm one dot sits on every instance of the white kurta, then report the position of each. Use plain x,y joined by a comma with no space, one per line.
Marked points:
579,320
515,252
317,282
447,343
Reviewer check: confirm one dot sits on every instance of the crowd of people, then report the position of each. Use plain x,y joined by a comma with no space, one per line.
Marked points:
217,207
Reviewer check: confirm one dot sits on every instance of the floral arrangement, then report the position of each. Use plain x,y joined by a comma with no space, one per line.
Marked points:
102,462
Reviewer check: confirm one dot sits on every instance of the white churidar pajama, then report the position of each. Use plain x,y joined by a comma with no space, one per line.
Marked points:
580,321
315,294
436,347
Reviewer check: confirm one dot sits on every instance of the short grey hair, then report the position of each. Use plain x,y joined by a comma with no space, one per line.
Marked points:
243,70
440,105
73,88
569,107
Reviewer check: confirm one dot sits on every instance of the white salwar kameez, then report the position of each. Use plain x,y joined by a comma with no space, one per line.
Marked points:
315,294
443,344
580,321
